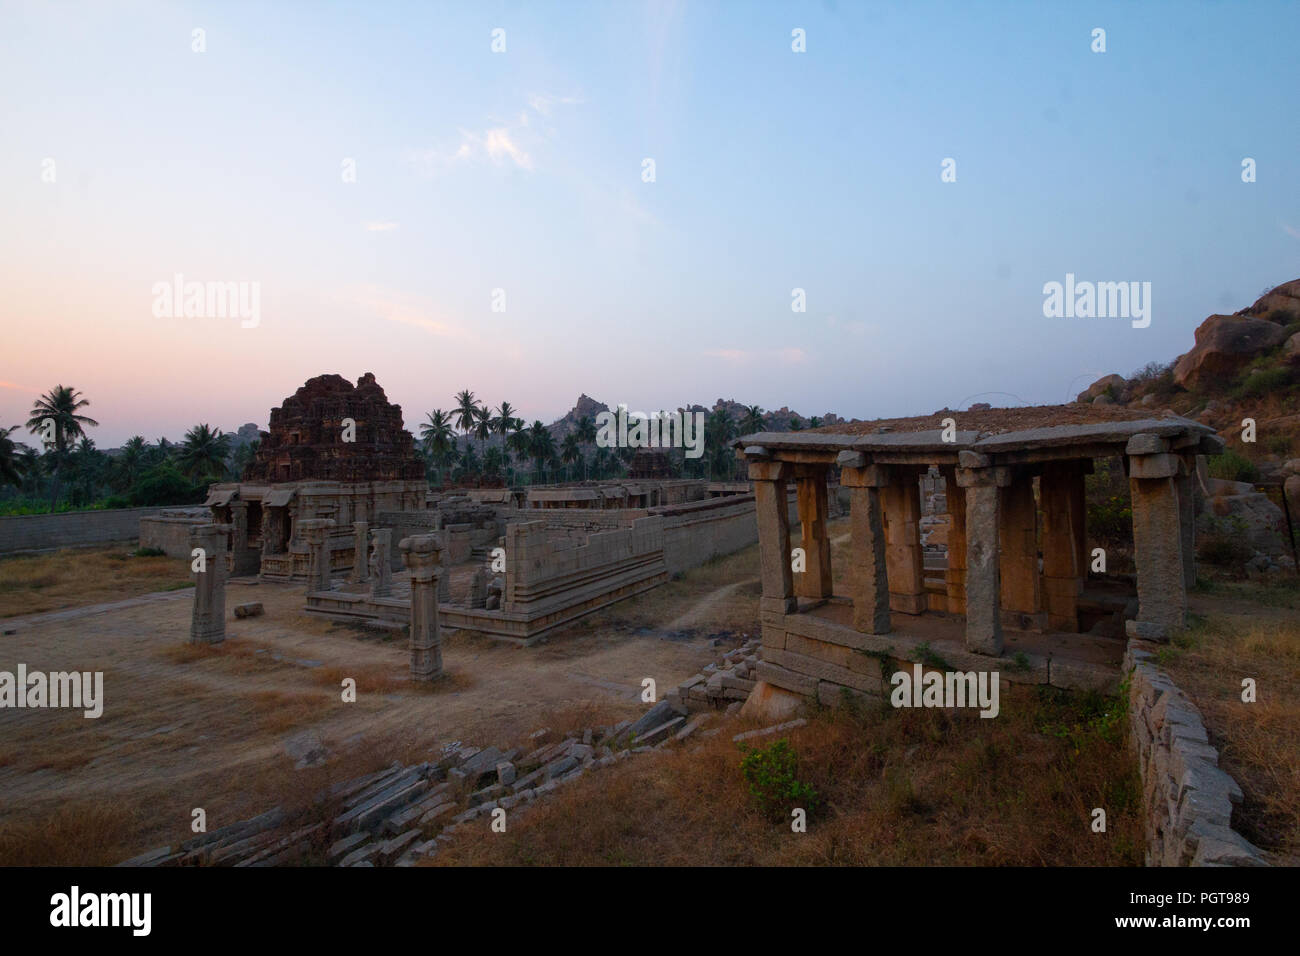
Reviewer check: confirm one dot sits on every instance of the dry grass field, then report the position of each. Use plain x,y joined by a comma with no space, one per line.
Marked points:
1249,630
32,584
188,727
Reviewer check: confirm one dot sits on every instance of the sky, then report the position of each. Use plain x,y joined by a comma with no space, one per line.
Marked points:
128,156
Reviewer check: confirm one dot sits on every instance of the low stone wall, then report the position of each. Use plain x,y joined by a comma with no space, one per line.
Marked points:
170,531
1188,798
70,529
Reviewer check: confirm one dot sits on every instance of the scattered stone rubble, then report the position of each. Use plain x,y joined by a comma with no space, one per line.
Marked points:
399,815
724,683
1188,797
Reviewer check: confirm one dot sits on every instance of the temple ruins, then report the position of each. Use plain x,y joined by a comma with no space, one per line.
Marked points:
1015,591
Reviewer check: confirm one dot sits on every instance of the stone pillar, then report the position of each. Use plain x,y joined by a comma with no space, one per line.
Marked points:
868,570
901,501
983,486
381,562
423,556
360,553
316,532
815,581
955,576
208,618
1157,537
1185,485
1063,528
1018,562
274,538
444,579
771,511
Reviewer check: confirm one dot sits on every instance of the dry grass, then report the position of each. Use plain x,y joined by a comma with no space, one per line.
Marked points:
1256,741
32,584
898,787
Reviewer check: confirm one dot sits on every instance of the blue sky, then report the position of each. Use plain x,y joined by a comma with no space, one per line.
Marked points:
522,171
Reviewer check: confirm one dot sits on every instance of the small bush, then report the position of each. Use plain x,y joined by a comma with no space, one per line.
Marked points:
1231,466
1223,542
1265,381
771,774
149,553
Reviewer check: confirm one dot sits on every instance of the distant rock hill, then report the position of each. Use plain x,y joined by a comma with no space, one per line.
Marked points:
1244,365
780,420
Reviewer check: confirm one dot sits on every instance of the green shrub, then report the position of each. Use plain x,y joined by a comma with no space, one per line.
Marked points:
771,773
1231,466
1265,381
1110,511
1223,541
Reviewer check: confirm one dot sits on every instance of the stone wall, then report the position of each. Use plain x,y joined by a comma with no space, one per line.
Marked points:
70,529
1187,797
170,531
698,531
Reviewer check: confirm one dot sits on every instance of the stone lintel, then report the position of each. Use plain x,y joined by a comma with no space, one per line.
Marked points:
1153,466
998,476
757,451
1211,445
867,476
1144,443
851,459
972,459
769,471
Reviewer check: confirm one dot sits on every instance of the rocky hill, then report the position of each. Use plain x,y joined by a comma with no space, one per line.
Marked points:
1241,366
779,420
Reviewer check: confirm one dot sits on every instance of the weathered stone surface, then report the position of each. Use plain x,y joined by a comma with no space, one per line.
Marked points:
1107,383
305,441
983,580
1157,546
251,609
1224,344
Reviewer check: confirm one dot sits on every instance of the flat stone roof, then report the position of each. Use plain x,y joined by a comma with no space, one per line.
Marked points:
989,431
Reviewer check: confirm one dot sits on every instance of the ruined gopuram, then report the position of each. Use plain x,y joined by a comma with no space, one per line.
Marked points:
335,451
1016,587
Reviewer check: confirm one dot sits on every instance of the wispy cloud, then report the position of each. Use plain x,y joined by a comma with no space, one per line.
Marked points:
505,144
1291,231
407,310
381,226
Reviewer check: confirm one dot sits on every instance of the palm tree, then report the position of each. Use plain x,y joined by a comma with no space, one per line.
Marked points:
466,411
61,404
506,421
600,462
485,425
541,444
571,449
130,462
718,430
203,453
493,461
753,420
438,439
12,465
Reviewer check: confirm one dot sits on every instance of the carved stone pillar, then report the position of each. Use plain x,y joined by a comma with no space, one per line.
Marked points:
423,557
208,618
983,486
868,571
771,511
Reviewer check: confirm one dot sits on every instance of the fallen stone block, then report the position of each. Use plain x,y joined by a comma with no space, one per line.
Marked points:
343,847
656,734
398,845
788,725
252,609
431,817
506,773
364,854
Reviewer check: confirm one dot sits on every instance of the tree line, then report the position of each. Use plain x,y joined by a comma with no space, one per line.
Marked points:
464,444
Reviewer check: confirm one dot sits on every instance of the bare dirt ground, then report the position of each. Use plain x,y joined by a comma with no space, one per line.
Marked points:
191,727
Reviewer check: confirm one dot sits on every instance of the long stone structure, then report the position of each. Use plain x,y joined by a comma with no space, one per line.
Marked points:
997,484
